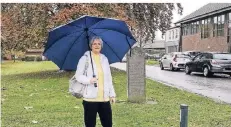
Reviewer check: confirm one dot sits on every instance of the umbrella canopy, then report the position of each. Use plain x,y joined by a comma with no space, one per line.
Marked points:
67,43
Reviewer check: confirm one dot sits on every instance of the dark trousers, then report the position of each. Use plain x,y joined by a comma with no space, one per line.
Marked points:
90,113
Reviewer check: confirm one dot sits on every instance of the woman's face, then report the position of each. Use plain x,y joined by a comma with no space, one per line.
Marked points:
96,46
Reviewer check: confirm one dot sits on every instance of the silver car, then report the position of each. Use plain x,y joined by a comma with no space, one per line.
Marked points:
174,61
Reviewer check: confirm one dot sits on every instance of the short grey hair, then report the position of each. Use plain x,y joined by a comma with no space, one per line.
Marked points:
95,38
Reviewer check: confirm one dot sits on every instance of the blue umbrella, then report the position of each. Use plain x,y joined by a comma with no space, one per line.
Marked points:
67,43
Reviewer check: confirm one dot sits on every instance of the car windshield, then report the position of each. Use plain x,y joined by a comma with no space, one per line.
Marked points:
182,56
222,56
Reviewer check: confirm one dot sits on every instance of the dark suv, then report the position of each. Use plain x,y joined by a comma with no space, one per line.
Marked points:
210,63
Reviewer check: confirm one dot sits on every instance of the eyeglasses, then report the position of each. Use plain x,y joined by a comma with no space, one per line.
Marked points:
96,44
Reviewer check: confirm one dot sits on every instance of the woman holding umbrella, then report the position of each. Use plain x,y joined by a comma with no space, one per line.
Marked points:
99,91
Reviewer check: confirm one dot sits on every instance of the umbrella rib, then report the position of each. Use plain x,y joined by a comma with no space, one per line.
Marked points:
74,26
70,49
111,30
108,45
61,38
96,24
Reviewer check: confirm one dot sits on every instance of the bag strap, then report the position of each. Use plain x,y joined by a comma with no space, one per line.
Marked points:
86,66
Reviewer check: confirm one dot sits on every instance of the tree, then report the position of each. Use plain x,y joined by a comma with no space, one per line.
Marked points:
23,26
27,25
150,17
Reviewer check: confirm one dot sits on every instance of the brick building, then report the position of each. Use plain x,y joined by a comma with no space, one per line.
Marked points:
207,29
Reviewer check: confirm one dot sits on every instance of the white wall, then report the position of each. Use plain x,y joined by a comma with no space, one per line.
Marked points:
172,33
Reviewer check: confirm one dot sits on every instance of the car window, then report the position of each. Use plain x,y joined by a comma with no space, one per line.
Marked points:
222,56
169,56
182,56
206,56
198,57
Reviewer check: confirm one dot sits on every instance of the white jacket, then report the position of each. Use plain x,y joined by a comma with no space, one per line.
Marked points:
91,91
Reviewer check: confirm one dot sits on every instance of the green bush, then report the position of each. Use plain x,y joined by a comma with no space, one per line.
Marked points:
29,58
33,58
38,58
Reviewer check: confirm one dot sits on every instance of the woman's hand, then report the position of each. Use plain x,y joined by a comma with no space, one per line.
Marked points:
112,100
93,80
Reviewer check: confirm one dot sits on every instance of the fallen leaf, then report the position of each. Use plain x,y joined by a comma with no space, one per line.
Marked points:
30,107
77,107
34,121
32,94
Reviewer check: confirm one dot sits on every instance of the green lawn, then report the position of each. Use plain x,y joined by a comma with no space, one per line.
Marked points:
38,86
151,62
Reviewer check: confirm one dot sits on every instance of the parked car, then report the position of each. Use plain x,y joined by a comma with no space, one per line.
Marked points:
174,61
192,53
153,56
210,63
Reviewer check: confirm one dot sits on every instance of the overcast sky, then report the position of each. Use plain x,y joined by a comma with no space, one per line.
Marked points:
188,7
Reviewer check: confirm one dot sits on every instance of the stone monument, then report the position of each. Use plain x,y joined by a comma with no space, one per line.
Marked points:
136,76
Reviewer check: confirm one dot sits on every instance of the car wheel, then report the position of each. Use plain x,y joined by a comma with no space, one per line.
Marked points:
206,72
161,66
187,70
171,67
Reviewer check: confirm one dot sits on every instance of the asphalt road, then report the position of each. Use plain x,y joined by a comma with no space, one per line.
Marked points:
217,87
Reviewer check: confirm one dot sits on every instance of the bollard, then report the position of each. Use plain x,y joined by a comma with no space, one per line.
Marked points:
183,115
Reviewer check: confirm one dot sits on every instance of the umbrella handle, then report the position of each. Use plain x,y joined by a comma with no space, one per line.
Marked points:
95,84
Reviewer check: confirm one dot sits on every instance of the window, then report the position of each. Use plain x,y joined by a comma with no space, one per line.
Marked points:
176,33
229,20
202,28
198,57
197,27
172,48
194,28
189,29
229,32
184,29
206,56
229,28
218,25
205,28
214,26
222,56
172,34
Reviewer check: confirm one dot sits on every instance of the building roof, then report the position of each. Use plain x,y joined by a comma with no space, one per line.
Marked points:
211,8
156,45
